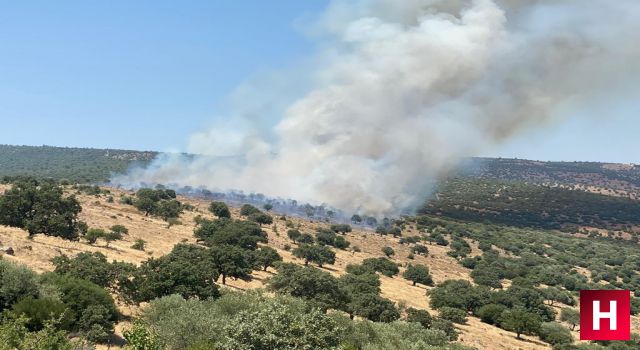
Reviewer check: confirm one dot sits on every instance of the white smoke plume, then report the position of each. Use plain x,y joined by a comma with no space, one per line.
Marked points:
400,91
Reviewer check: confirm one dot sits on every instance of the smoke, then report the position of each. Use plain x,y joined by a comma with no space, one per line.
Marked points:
400,91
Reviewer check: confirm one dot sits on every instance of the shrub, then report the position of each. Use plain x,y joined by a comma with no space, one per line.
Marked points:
94,309
293,235
555,334
40,311
315,253
220,209
454,315
266,257
92,267
570,316
139,244
119,229
419,316
249,209
382,265
520,322
261,218
16,282
491,313
388,251
311,284
93,234
40,207
188,270
418,274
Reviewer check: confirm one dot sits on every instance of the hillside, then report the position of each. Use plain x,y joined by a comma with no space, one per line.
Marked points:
76,165
99,211
606,178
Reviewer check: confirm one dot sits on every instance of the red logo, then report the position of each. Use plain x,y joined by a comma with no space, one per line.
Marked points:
605,315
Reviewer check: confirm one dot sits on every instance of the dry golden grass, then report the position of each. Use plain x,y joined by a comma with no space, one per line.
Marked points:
37,252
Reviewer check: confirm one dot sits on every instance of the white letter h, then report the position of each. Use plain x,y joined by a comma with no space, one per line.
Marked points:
598,315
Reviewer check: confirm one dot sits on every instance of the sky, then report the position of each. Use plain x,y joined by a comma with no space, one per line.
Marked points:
146,75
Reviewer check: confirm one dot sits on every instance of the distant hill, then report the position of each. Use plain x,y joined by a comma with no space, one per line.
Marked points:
619,179
77,165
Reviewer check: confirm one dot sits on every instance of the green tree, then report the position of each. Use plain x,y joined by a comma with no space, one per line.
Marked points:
459,294
40,207
39,312
555,334
220,209
491,313
419,316
341,228
243,234
188,270
267,206
261,218
294,235
382,265
418,274
570,316
248,209
92,267
168,209
372,307
266,257
121,229
388,251
93,234
520,322
139,337
356,219
111,236
454,315
231,261
316,286
16,282
314,253
139,244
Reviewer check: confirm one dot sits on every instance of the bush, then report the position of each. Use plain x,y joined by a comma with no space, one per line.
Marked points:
317,254
188,270
491,313
445,326
261,218
119,229
243,234
520,322
388,251
94,309
40,207
311,284
92,267
418,274
458,294
420,316
139,244
249,209
16,282
93,234
454,315
382,265
220,209
570,316
41,311
555,334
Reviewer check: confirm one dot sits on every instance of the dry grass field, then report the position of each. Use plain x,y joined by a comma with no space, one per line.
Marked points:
37,252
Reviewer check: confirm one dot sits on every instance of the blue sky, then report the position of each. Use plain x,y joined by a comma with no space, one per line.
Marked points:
147,74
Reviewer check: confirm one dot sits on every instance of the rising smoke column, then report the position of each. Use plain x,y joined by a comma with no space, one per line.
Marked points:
402,90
